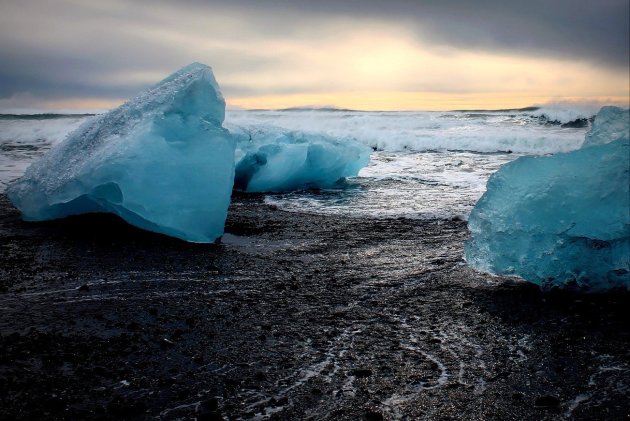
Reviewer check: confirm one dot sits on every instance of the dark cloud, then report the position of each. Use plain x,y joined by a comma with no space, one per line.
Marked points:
592,30
92,50
595,31
83,49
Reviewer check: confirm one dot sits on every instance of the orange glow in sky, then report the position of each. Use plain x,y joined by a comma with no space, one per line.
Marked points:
365,64
369,71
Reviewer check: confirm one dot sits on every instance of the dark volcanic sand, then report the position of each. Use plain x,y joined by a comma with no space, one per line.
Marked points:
294,316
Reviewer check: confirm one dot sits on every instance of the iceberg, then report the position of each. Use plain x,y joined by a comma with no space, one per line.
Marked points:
610,124
271,159
162,162
561,220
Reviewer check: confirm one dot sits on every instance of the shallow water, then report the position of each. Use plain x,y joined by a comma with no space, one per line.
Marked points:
24,138
405,184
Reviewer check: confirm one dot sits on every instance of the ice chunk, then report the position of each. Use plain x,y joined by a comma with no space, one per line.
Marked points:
558,220
610,124
161,161
272,159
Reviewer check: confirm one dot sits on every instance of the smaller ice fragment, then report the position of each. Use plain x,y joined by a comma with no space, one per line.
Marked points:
162,161
271,159
562,219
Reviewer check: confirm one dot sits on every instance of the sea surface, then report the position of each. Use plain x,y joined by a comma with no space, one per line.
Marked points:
424,165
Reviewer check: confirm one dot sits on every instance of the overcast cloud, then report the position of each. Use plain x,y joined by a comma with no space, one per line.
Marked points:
112,49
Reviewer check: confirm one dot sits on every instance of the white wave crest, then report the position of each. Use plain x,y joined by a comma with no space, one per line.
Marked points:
515,131
28,130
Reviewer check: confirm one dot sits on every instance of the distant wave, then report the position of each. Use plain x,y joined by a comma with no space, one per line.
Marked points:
544,130
501,110
329,109
498,131
570,116
564,116
33,128
44,116
336,109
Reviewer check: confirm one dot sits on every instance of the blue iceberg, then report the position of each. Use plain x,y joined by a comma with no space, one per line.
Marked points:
610,124
560,220
271,159
162,161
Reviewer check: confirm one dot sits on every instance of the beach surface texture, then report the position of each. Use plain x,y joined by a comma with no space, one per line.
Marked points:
292,316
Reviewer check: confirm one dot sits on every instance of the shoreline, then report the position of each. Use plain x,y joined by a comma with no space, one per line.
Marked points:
292,316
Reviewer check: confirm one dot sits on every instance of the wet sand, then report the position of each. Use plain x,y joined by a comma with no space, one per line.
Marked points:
293,316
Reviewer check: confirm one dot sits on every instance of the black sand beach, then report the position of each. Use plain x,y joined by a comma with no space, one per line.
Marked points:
294,316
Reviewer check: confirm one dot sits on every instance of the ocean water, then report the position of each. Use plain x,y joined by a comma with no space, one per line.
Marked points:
23,138
424,164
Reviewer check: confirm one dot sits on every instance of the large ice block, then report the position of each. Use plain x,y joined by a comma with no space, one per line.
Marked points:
162,161
558,220
610,124
271,159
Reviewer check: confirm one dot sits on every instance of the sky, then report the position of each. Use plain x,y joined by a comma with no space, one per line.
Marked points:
368,54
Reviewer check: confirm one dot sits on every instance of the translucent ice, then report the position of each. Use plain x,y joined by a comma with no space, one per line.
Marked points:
272,159
161,161
610,124
559,220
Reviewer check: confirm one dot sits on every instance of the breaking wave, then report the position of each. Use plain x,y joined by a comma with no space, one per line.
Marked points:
528,131
531,130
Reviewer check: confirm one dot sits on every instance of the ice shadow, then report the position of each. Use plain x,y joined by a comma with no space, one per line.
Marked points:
520,303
